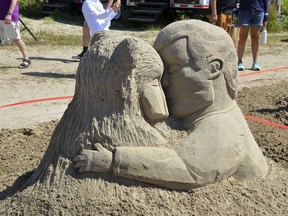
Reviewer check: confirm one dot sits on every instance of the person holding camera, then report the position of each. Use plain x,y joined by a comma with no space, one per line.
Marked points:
97,17
86,33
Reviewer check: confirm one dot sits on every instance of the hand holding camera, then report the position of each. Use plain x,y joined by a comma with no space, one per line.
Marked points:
116,6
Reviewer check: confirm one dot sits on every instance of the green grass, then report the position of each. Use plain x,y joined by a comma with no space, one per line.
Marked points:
48,39
276,44
60,40
48,20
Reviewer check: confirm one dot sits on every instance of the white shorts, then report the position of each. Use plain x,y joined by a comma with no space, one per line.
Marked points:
11,31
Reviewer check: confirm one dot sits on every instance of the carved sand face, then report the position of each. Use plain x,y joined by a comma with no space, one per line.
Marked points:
187,88
152,97
153,101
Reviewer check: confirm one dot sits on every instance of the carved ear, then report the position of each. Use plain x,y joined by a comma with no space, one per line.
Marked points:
215,65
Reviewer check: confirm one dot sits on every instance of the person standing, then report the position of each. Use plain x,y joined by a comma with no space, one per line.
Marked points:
86,35
9,25
97,17
252,14
85,41
221,13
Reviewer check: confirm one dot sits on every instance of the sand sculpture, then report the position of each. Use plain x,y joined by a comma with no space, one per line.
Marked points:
118,125
200,84
118,95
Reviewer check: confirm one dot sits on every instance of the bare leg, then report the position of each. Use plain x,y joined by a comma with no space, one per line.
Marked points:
22,47
242,41
255,32
86,36
85,41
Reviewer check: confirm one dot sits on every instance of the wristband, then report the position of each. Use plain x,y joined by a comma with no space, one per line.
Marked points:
9,13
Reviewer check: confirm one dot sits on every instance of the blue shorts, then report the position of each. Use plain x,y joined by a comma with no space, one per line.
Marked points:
250,18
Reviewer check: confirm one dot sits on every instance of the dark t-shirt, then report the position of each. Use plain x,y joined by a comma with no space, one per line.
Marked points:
259,5
224,6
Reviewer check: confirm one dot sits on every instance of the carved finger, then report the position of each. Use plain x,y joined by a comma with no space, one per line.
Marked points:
77,158
98,147
105,145
82,152
81,157
81,164
108,147
84,169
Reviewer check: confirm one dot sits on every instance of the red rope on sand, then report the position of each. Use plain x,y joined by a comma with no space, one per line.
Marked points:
241,75
266,122
264,71
37,100
262,120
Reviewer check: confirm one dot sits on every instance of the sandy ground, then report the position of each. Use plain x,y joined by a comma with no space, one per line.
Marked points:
25,130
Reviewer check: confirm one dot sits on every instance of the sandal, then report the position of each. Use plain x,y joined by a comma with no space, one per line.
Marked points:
25,63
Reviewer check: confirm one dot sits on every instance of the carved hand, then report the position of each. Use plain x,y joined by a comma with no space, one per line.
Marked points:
99,160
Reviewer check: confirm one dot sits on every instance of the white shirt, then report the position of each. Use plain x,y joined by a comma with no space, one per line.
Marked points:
96,16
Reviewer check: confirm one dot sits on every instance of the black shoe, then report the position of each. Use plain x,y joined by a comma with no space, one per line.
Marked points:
78,57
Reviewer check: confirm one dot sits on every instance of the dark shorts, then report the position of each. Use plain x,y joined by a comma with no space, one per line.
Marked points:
250,18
